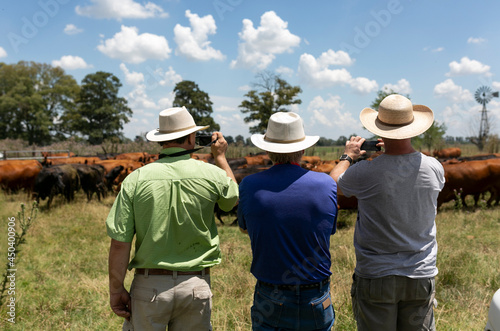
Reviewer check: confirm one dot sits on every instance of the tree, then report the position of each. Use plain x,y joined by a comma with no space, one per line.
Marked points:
272,95
239,140
99,113
197,102
32,98
431,138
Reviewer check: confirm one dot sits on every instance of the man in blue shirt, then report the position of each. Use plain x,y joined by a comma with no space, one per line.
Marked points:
289,214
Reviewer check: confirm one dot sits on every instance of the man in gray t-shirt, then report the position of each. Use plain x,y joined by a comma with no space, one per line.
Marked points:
395,235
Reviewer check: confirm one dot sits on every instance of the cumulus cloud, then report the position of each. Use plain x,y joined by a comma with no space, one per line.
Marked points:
472,40
317,72
468,67
119,9
282,70
401,87
452,92
132,78
3,53
71,29
192,42
330,113
258,46
70,62
131,47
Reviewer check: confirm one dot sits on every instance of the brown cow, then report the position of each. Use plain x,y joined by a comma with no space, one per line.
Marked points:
19,174
128,167
470,178
76,159
258,159
447,153
137,157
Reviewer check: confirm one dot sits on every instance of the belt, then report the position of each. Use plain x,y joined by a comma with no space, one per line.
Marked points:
171,272
294,287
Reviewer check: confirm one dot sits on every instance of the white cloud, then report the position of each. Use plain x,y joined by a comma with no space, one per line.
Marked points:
192,42
258,46
473,40
330,113
3,53
452,92
131,47
71,29
401,87
316,72
468,67
282,70
119,9
132,78
70,62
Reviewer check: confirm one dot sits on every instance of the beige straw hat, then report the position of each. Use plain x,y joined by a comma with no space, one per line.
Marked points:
397,118
285,134
174,123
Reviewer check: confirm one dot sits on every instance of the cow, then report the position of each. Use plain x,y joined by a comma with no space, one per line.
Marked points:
53,180
470,178
76,159
137,157
19,174
258,159
91,180
128,167
447,153
110,176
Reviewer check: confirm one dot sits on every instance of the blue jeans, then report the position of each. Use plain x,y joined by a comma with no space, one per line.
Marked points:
292,309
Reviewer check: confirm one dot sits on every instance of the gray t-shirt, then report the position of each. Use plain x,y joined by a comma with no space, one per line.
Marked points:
395,231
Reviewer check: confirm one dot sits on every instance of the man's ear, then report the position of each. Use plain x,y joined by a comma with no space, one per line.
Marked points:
191,138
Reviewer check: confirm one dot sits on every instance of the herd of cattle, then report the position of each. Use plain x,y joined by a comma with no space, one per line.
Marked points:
475,175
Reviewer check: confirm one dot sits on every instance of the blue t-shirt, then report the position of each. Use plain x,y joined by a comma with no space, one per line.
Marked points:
290,214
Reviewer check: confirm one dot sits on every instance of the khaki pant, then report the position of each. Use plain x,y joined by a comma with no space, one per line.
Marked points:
393,303
181,302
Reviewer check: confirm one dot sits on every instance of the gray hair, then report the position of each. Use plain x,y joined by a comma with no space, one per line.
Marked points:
286,157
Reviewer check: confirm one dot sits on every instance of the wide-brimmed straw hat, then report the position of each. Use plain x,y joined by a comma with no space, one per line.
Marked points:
397,118
174,123
285,134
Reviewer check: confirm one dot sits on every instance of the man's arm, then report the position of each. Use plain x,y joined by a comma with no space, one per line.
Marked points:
352,149
219,149
119,298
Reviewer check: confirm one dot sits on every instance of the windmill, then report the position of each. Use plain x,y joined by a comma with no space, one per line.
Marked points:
483,96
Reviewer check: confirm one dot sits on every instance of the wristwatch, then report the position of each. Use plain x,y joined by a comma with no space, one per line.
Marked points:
346,157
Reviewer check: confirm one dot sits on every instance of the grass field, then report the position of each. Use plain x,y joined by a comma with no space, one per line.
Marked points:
61,279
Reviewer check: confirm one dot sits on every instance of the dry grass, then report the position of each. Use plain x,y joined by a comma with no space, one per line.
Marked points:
61,281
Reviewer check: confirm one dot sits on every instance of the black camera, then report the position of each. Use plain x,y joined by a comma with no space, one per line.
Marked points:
370,145
203,139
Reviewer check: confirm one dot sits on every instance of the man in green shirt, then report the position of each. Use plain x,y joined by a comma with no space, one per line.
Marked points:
168,206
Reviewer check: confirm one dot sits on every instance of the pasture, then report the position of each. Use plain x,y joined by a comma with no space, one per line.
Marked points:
61,281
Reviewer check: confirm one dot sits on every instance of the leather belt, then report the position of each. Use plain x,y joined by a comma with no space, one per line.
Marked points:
294,287
170,272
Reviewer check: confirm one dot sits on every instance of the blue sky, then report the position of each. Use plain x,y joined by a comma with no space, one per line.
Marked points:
339,52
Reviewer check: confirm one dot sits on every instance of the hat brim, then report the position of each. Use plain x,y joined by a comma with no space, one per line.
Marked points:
423,118
259,141
155,135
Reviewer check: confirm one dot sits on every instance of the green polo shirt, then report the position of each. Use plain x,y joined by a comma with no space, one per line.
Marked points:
169,206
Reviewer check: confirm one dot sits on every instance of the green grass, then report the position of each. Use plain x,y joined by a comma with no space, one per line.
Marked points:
62,281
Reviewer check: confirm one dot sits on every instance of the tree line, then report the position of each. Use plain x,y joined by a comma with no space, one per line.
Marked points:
42,104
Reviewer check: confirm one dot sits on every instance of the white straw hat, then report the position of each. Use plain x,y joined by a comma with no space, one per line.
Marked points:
285,134
174,123
397,118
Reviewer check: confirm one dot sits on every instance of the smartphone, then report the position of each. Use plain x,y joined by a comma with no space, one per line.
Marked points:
370,145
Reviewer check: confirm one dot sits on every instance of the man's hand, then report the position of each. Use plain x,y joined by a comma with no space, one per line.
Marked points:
353,147
218,148
120,303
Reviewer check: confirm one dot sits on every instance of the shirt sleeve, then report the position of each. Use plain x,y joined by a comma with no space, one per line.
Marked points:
120,223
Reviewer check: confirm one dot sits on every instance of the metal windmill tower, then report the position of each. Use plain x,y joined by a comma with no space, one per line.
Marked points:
483,96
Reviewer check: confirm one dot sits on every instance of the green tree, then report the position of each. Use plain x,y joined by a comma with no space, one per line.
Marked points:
432,138
272,95
99,113
32,98
197,102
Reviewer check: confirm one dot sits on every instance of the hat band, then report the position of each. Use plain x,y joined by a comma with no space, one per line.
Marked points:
399,124
266,138
178,130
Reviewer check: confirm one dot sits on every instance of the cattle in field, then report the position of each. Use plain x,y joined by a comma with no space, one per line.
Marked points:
137,157
111,175
60,179
447,153
128,167
471,178
18,174
52,154
91,180
76,159
258,159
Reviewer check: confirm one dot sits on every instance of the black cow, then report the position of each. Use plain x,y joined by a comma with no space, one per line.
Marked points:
111,176
53,180
91,180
